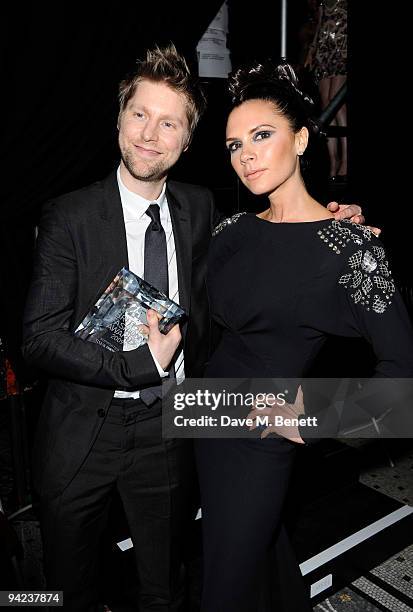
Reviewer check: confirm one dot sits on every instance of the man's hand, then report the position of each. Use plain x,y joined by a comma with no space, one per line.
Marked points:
163,347
352,212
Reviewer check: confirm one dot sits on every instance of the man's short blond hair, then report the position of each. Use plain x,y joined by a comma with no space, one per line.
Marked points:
166,65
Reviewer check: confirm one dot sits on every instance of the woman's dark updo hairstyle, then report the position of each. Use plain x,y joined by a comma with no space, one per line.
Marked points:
277,84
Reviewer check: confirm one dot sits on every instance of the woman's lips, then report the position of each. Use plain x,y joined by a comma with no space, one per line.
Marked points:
250,176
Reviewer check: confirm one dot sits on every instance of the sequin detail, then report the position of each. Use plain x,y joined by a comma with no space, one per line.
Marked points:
226,222
367,278
339,234
369,283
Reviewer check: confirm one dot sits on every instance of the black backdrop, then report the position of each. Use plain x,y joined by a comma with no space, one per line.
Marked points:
62,65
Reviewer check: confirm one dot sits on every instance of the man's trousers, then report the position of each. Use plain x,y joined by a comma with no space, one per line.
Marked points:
154,478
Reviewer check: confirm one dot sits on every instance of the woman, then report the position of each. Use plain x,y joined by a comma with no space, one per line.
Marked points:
279,282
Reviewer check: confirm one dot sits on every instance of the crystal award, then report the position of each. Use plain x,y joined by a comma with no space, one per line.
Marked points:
115,321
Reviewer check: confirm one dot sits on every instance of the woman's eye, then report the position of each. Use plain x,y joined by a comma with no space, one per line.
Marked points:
262,135
138,115
233,146
168,124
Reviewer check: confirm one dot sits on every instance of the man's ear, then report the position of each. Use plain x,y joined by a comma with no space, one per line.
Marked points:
188,142
118,120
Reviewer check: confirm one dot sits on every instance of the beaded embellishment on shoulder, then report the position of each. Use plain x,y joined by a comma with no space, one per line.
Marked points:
369,280
339,234
367,277
226,222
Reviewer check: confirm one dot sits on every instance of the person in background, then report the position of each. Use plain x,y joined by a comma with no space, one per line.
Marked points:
327,59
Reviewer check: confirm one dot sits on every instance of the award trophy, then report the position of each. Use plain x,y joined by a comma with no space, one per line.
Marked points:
115,321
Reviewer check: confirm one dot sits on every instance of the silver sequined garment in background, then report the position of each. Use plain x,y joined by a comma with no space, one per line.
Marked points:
331,54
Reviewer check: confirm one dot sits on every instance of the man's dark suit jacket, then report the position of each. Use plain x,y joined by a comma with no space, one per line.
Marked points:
81,246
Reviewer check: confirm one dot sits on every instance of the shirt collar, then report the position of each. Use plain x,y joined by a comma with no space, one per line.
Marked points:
135,206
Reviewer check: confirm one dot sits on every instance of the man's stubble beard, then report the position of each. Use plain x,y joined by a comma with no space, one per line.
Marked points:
154,173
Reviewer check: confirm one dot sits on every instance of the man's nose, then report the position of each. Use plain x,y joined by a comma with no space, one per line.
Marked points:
150,131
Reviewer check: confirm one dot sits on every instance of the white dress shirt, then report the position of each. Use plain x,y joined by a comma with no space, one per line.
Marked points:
136,222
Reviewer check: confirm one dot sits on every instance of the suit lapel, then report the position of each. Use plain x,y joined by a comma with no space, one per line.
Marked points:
115,250
181,225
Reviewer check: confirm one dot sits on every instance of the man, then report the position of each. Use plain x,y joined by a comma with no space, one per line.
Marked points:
95,432
98,430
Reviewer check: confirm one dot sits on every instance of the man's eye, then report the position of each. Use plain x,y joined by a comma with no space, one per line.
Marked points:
138,115
262,135
168,124
233,146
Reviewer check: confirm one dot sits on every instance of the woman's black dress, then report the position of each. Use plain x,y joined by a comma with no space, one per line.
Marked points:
277,290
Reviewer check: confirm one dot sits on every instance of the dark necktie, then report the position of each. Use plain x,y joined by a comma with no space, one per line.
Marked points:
156,258
156,273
